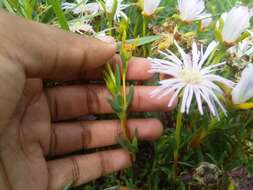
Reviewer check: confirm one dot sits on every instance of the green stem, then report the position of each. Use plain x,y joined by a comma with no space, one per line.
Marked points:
124,90
123,121
178,139
219,54
110,25
211,57
218,57
123,125
144,33
144,26
178,129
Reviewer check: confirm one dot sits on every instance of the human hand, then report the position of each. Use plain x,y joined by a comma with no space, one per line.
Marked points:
34,121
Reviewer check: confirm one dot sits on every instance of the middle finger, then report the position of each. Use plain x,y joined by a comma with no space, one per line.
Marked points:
74,101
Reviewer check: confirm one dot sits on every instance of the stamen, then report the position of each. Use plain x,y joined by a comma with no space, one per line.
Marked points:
191,76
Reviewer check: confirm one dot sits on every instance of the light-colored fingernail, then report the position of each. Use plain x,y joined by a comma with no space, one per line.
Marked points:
107,39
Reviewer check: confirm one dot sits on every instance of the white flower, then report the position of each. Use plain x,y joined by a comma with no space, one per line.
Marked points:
82,7
244,89
109,4
191,10
81,27
236,21
190,78
92,8
150,6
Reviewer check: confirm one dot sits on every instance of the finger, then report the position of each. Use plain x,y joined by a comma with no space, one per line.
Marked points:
138,69
75,101
82,169
50,53
95,134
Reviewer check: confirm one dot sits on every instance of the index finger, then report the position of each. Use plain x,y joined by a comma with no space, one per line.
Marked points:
50,53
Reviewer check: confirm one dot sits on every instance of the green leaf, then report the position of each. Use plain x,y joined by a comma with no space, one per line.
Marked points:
231,186
130,95
112,81
109,83
115,7
59,13
242,37
244,106
218,35
12,5
117,78
125,57
116,103
141,41
116,108
29,6
68,186
135,142
127,145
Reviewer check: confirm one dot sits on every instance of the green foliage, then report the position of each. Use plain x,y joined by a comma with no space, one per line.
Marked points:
141,41
218,6
132,147
67,187
59,13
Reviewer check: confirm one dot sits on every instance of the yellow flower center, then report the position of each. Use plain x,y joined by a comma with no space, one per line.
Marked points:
191,76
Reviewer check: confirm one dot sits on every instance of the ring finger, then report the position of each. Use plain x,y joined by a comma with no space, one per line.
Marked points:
95,134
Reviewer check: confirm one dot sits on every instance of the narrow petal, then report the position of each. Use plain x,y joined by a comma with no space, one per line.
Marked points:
205,96
216,100
185,97
219,79
184,56
208,51
195,55
189,100
198,99
175,95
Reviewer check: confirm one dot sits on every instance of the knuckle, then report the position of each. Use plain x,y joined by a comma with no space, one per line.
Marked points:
86,136
92,102
75,169
104,164
137,99
53,142
53,103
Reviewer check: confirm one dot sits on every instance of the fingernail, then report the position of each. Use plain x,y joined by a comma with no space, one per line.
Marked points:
107,39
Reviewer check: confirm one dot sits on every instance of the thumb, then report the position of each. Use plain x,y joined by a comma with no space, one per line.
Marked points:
50,53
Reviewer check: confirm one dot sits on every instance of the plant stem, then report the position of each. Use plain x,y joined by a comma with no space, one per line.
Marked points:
123,124
178,139
144,33
110,23
124,90
123,121
144,26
